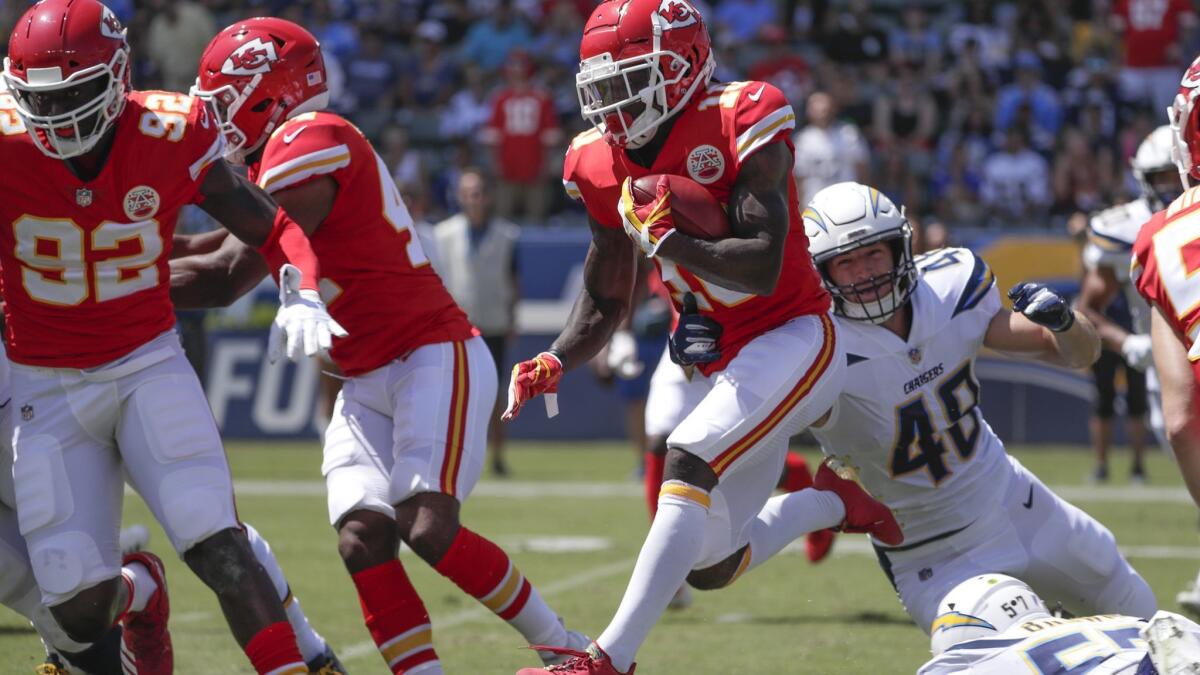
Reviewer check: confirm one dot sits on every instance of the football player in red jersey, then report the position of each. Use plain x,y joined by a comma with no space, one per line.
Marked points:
754,319
1166,256
409,431
99,377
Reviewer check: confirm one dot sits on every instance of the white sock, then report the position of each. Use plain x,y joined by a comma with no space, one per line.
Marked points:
309,641
142,583
311,644
538,623
785,518
670,551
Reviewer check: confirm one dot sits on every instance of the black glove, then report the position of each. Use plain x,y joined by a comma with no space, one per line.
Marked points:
695,338
1042,306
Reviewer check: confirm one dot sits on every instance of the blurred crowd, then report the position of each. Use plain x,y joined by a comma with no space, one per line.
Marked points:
1001,113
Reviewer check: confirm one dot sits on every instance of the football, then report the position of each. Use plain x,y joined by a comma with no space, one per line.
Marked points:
695,211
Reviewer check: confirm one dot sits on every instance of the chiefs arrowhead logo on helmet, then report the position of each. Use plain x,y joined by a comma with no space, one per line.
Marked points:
110,26
676,13
1191,78
253,57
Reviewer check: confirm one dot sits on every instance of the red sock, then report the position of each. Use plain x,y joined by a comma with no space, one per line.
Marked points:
795,473
273,650
395,616
653,480
484,571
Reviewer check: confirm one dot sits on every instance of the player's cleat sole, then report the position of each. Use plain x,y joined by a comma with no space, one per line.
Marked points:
817,545
576,642
327,664
146,641
864,513
682,598
592,661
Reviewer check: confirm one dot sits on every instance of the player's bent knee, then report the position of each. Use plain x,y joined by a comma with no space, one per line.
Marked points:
428,523
689,468
366,539
88,615
717,576
197,503
222,560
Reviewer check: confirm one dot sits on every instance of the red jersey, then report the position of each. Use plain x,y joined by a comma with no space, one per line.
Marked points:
85,262
1166,257
1150,27
375,278
718,130
523,123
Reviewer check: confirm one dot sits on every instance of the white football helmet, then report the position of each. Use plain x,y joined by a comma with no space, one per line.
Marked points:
846,216
1154,156
982,607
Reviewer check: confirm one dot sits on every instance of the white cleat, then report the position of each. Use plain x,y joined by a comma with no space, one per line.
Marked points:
1173,643
575,640
682,598
1189,598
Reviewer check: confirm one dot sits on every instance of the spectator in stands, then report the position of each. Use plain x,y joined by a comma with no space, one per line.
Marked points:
1016,183
905,120
1029,94
1151,32
558,43
854,37
476,254
915,44
1083,175
954,189
782,66
740,21
978,26
337,37
469,108
828,151
429,71
408,171
490,40
522,129
177,35
370,73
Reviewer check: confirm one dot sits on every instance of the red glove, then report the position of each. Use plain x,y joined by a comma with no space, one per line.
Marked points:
539,375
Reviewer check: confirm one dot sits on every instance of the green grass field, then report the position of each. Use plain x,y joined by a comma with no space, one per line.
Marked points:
789,616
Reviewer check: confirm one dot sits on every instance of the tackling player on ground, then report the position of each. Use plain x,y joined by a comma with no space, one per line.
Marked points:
754,322
408,437
100,381
909,420
993,624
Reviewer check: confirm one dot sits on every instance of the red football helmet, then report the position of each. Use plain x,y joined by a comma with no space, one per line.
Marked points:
68,70
256,74
640,63
1185,123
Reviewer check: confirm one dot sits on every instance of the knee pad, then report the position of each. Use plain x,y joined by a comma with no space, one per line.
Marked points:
65,563
196,503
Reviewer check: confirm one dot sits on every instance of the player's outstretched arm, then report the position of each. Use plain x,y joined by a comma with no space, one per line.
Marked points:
609,274
216,278
1043,326
183,245
750,260
1096,292
1179,398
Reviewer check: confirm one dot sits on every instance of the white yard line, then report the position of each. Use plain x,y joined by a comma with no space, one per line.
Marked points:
606,490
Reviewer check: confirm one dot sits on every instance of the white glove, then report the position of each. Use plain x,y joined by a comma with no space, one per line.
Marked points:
623,356
1136,350
302,319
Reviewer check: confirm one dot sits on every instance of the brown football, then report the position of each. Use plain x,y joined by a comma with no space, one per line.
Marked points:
694,210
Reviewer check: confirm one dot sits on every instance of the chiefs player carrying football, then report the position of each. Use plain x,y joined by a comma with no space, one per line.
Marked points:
774,364
409,431
1166,256
98,374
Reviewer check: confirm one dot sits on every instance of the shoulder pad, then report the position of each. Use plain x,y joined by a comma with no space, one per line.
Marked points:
1116,228
957,274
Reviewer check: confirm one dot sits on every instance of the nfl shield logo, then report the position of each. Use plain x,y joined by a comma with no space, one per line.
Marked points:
83,197
26,412
914,355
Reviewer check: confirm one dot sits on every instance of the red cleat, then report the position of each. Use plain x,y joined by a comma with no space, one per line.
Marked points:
817,545
864,513
146,641
591,662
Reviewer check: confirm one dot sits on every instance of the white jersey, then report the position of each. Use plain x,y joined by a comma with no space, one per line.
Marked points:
1111,234
909,418
1096,645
